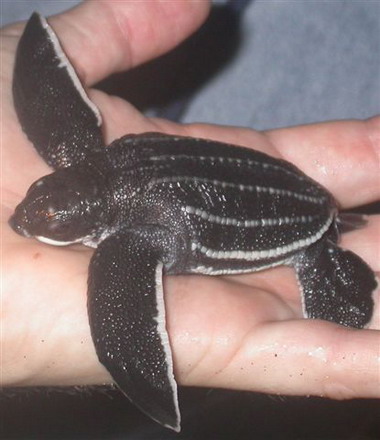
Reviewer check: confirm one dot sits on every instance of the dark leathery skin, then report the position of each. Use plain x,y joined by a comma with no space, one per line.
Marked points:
340,282
159,176
121,318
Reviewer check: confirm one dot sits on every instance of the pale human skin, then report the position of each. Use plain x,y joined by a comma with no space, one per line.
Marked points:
242,332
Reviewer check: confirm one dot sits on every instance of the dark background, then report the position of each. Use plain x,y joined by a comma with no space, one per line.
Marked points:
206,415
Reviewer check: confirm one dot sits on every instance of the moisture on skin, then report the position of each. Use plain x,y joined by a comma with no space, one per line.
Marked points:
156,204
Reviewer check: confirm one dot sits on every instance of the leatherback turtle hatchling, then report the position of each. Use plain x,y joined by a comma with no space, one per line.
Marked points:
153,204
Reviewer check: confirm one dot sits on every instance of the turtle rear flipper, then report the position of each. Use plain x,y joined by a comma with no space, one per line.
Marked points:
51,104
127,319
336,284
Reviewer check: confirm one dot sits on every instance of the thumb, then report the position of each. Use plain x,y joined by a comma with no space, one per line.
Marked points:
102,37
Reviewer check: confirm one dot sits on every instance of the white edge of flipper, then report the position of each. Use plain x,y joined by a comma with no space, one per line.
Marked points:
65,63
161,326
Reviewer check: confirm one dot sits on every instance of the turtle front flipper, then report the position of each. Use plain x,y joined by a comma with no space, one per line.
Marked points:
336,284
127,320
51,104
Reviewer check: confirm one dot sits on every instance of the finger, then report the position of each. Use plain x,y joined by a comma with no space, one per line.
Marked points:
343,156
252,342
303,357
365,242
120,118
102,37
222,335
200,310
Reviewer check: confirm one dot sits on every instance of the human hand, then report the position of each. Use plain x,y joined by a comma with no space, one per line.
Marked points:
244,331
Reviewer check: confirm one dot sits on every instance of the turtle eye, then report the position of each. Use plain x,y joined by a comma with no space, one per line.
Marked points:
46,214
53,221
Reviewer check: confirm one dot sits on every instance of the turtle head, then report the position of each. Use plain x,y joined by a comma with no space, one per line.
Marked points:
58,208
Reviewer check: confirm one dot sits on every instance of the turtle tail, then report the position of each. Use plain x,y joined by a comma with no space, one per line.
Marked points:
349,221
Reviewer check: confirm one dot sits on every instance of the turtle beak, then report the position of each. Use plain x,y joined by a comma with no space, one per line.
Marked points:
17,225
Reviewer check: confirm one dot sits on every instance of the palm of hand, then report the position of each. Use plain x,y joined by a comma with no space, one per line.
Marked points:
242,331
